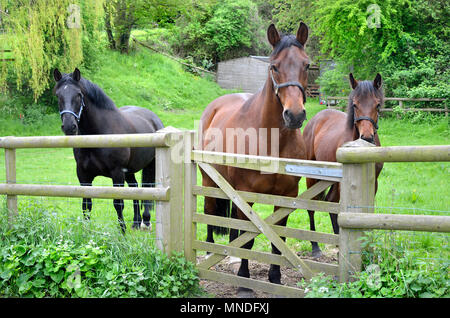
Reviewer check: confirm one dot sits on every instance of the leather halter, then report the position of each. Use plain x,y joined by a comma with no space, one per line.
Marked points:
277,86
375,124
77,116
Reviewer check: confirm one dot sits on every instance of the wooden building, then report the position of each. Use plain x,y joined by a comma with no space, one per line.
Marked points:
250,73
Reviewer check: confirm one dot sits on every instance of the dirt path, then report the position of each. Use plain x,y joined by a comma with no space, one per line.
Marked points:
258,271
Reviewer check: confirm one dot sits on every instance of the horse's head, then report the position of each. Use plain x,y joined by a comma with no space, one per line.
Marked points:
288,73
364,105
70,100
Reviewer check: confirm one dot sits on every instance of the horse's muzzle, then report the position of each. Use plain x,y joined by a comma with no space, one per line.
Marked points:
370,139
294,121
69,125
69,129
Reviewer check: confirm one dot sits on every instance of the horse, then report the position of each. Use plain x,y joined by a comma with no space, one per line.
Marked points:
86,110
329,129
278,109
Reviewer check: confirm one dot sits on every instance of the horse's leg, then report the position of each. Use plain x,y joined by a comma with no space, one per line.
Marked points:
316,252
234,233
132,183
85,179
333,196
210,209
148,180
243,269
274,270
118,181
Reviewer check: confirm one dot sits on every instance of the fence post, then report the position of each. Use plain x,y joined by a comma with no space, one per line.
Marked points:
357,195
10,165
169,173
190,200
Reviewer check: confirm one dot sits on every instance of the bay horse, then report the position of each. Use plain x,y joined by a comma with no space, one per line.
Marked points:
86,110
278,108
330,129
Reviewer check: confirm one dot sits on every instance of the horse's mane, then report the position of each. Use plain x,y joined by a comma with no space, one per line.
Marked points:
285,42
364,88
95,94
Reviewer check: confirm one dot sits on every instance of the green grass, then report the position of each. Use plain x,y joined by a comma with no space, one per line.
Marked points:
178,98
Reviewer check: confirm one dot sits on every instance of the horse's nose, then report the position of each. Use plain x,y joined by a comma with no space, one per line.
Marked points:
294,120
69,129
369,138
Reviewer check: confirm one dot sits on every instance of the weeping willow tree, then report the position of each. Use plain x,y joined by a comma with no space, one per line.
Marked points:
43,34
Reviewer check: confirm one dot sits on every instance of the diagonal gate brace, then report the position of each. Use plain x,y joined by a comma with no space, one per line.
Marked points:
256,220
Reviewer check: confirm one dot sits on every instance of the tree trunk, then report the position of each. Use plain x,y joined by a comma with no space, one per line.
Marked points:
108,28
123,41
124,21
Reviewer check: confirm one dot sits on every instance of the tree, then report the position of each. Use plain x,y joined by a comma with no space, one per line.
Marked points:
219,30
405,40
288,13
122,16
44,34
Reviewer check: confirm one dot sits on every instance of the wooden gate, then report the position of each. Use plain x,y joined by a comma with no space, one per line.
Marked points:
327,172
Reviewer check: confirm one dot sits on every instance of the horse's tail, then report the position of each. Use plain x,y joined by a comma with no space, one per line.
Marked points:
222,209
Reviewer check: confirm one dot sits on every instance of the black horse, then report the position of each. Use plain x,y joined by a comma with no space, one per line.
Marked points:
86,110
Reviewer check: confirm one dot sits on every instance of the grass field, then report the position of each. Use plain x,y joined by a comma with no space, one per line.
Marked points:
178,98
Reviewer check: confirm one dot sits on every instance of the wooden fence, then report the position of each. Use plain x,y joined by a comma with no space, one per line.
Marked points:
331,100
355,171
167,193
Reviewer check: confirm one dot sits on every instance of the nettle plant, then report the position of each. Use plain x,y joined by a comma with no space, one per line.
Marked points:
43,256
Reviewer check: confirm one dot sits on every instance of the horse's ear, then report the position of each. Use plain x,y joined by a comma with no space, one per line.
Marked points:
57,75
272,35
302,33
353,82
377,81
76,75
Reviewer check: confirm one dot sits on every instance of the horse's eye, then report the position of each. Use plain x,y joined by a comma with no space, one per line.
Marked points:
378,106
354,106
275,68
307,66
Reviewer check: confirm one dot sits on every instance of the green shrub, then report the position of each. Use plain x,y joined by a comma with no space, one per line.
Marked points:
390,271
42,255
220,31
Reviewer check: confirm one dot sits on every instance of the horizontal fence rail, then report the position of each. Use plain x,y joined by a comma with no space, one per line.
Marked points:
400,103
426,223
406,99
393,154
323,170
88,141
160,194
270,199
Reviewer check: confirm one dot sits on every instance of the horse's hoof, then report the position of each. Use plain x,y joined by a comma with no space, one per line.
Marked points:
145,227
243,292
316,253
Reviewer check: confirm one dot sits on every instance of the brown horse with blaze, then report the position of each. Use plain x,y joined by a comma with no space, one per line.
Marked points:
273,116
330,129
